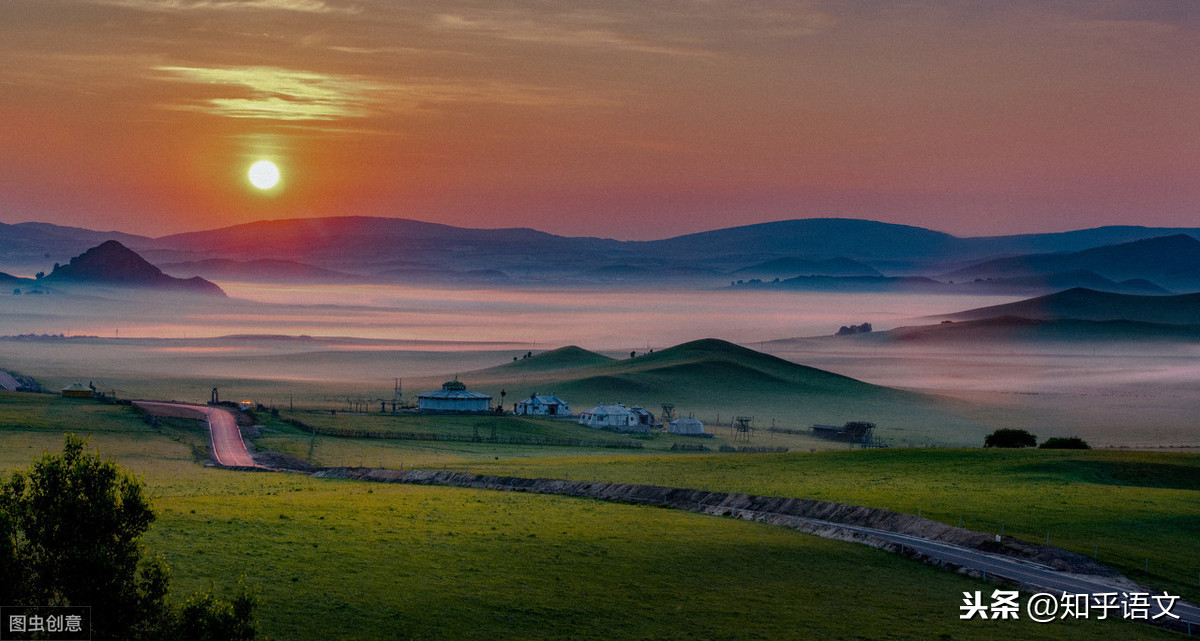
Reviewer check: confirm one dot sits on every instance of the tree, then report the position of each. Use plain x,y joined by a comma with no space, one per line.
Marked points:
1060,443
1010,438
70,534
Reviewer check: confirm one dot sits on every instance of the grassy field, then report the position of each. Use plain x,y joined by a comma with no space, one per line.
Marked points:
1131,509
388,452
345,560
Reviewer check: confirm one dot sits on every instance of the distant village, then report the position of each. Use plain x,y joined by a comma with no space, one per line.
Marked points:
455,398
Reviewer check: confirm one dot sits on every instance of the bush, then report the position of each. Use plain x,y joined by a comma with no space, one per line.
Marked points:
1010,438
70,534
1060,443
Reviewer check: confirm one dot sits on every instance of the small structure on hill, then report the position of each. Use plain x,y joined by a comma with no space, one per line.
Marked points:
644,416
615,416
742,428
78,390
543,405
851,432
8,383
454,397
687,427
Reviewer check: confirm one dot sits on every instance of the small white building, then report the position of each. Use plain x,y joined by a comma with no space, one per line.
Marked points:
543,405
454,397
687,426
615,416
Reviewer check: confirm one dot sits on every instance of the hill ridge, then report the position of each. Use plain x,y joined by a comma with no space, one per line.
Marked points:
111,263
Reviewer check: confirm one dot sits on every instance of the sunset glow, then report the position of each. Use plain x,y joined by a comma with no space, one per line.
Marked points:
627,120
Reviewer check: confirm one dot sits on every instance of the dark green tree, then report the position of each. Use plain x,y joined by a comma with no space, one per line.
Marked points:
70,534
1069,443
1010,438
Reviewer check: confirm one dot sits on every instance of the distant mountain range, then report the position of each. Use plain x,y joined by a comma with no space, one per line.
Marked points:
1166,260
112,264
1128,259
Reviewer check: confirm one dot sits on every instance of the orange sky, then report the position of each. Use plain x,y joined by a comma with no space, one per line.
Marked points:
638,119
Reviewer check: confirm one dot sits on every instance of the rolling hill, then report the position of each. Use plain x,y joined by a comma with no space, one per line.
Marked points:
1013,329
1057,282
1173,261
29,247
262,270
790,266
715,377
563,358
111,263
1091,305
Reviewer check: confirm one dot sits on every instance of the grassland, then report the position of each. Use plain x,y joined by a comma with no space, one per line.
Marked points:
1133,510
329,451
345,560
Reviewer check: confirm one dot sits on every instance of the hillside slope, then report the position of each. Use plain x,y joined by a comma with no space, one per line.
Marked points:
111,263
1087,304
1168,260
712,377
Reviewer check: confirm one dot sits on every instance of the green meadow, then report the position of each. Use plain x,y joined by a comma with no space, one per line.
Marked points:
347,560
1134,510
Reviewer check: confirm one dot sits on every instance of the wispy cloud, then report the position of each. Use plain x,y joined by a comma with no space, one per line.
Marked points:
280,94
575,30
289,95
303,6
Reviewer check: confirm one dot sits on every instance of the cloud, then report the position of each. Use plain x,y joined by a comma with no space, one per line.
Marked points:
289,95
575,30
303,6
281,94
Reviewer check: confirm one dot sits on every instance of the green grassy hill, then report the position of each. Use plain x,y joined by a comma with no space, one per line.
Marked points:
712,378
568,357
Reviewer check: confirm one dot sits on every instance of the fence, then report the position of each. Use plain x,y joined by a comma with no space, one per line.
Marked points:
465,438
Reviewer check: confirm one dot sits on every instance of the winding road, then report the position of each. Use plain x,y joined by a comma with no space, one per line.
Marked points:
227,445
230,451
1026,573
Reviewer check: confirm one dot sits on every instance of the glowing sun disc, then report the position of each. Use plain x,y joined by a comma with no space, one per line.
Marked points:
264,174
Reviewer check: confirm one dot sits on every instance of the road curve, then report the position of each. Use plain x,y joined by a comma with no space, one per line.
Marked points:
1034,577
1020,571
227,445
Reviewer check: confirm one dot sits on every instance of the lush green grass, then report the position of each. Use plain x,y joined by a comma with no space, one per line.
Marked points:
334,451
1124,506
345,560
339,560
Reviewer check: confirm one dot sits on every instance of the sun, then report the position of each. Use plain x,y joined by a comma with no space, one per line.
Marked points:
264,174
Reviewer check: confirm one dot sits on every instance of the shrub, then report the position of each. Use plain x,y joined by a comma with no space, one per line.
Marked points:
1060,443
1010,438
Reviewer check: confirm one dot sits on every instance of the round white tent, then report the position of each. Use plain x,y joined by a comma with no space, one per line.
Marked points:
686,426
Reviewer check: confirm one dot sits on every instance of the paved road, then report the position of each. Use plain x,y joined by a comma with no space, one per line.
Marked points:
1025,573
227,444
